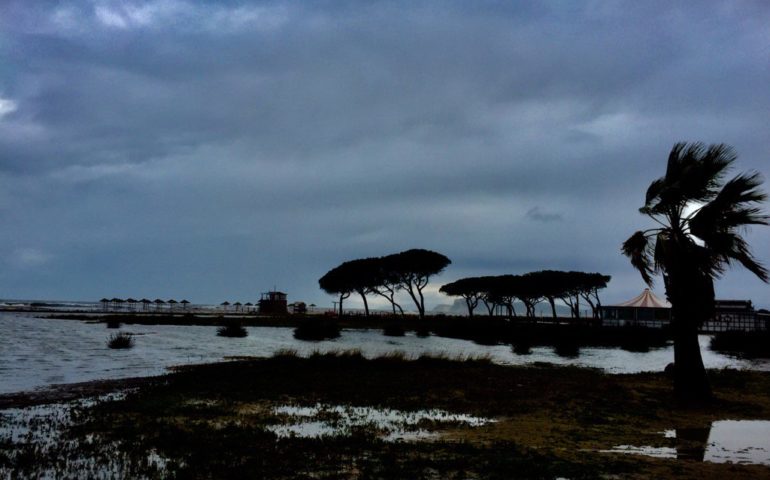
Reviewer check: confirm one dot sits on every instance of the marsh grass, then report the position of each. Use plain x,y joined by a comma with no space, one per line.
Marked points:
121,340
213,421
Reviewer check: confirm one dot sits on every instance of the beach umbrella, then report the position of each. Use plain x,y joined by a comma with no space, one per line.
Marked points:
145,303
225,304
158,302
184,304
171,304
116,302
104,302
131,303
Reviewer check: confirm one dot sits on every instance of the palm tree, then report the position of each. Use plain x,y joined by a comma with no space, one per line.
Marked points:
699,217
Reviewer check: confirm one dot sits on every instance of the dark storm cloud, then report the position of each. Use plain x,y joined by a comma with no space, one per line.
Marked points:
213,150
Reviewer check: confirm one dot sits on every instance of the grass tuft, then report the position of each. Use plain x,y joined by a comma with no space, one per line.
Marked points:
121,340
233,329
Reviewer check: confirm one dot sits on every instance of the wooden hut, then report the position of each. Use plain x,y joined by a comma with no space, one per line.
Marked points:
273,303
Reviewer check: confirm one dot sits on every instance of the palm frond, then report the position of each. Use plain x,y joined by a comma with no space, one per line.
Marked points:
654,191
661,252
732,247
730,209
702,170
637,249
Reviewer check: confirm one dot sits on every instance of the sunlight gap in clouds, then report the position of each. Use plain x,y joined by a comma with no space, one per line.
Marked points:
7,106
184,15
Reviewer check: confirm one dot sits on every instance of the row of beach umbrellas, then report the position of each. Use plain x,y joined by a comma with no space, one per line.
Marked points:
145,302
238,305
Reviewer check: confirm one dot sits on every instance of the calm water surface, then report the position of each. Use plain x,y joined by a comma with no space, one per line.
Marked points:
37,352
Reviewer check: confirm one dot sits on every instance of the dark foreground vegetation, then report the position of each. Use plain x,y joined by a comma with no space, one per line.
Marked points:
214,421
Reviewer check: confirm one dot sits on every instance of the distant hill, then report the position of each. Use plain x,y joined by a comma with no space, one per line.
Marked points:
542,309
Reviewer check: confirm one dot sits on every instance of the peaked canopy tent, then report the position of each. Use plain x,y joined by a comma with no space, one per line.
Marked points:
644,310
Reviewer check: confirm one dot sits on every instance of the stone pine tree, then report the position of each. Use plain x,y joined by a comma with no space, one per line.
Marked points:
414,268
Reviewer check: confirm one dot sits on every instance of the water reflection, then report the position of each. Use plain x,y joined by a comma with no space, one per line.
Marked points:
723,441
691,442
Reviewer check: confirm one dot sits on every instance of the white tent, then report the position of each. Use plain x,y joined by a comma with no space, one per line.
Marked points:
646,299
644,310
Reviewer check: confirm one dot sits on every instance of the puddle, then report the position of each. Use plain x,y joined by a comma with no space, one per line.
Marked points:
389,424
656,452
34,443
724,441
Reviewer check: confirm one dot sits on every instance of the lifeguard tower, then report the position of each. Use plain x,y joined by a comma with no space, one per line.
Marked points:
273,303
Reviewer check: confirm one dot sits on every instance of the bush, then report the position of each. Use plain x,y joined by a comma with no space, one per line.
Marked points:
113,323
316,330
121,340
423,332
393,330
746,344
232,329
522,347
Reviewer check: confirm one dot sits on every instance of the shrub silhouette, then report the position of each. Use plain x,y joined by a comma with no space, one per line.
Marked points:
232,329
121,340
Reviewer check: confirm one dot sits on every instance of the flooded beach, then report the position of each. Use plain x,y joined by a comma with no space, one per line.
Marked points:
39,352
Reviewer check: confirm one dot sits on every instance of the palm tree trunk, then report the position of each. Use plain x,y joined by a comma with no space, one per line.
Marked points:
692,298
690,379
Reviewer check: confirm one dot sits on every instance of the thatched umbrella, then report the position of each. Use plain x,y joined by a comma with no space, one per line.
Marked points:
105,302
225,304
171,304
131,303
184,304
145,304
115,302
248,306
158,302
237,306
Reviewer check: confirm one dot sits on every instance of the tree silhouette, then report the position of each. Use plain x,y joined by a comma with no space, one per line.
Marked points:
471,289
388,282
414,268
337,282
699,217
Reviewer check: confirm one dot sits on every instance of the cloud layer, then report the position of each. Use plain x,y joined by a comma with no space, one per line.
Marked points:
215,150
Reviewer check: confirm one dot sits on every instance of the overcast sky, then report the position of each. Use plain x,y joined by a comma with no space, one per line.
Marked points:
211,151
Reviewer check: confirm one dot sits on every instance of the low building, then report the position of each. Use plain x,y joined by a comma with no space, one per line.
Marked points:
648,310
273,303
736,315
644,310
